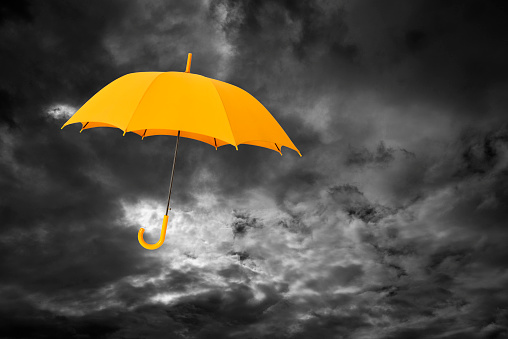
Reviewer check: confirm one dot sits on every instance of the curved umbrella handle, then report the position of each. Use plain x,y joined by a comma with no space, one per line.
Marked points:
161,239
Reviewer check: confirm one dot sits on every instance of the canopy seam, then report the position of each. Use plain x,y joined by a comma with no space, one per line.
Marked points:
139,102
226,112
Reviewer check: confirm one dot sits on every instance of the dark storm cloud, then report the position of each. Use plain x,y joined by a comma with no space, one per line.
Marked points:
430,61
449,52
363,156
392,225
354,203
242,223
15,10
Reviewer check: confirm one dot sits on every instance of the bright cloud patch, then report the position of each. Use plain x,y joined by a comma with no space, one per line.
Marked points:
61,111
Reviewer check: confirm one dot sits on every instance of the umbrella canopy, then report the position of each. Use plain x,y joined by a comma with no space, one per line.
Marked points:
201,108
186,105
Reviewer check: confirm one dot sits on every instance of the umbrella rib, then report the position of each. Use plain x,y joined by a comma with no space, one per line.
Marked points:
278,149
143,135
82,128
215,141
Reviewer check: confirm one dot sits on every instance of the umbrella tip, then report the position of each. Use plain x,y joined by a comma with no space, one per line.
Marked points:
189,60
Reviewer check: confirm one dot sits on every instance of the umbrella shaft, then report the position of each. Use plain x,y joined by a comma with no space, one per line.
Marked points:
173,171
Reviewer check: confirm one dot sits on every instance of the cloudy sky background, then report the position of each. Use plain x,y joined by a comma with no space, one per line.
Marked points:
392,224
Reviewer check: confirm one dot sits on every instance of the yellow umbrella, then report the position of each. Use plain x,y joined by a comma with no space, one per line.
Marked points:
185,105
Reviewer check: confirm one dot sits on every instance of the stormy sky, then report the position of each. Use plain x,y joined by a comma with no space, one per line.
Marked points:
392,225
